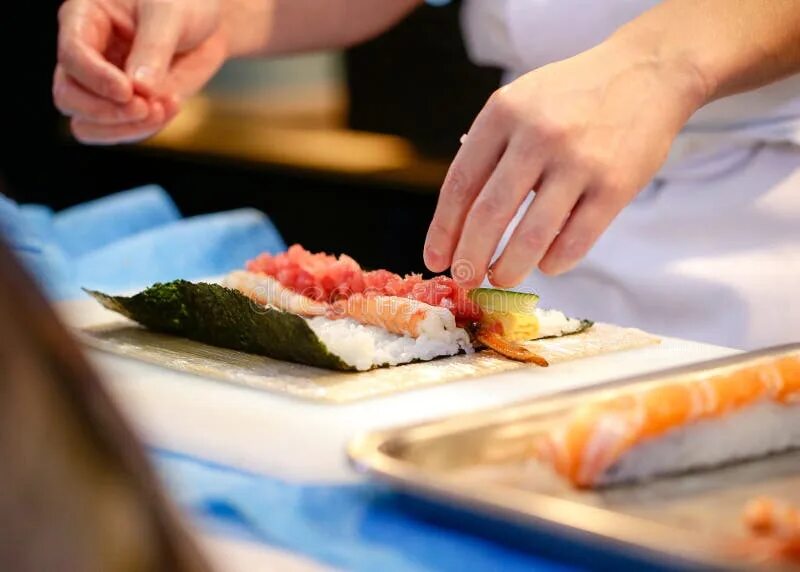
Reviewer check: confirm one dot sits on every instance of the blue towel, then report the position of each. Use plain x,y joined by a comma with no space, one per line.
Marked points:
27,231
129,240
353,527
133,238
81,229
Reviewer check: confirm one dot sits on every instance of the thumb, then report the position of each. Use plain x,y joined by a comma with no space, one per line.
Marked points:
158,29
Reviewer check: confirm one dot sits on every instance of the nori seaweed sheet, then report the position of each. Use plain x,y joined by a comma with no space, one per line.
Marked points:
223,317
585,325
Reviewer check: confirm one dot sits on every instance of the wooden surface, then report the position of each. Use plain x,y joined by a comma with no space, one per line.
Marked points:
315,384
213,128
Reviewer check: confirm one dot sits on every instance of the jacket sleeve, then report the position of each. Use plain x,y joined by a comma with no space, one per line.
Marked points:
521,35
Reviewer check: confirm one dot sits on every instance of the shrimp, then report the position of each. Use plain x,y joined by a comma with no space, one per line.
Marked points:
396,314
266,290
508,348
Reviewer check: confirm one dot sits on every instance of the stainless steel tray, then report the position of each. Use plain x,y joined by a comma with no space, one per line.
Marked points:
480,463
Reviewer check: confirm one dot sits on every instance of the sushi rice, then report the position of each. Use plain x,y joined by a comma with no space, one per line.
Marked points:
553,323
755,431
364,347
686,423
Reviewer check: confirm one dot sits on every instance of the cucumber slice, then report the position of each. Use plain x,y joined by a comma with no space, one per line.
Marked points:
504,301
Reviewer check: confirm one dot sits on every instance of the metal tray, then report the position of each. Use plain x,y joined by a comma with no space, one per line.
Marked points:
480,464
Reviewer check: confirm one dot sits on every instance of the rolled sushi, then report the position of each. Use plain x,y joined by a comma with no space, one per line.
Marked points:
686,424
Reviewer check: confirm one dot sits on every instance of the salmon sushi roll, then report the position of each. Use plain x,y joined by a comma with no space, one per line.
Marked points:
688,423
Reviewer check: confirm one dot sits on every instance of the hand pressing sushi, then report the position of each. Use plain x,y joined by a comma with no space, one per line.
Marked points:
587,134
328,312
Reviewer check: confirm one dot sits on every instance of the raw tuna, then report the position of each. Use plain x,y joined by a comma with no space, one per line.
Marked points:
325,277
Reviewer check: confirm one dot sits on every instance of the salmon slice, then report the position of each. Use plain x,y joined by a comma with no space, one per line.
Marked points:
598,434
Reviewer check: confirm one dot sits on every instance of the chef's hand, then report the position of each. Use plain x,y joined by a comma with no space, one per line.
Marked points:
125,65
587,134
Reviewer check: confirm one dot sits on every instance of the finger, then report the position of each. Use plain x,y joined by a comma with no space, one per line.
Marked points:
192,70
158,29
83,36
172,106
472,166
98,134
74,101
537,229
590,217
513,178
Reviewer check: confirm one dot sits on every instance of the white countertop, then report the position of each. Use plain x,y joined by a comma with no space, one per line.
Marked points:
266,432
296,440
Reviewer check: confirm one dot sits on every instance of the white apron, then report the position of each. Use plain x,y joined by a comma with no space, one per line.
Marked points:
710,251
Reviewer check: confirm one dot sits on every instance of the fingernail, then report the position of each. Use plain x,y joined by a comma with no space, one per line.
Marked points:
172,105
433,258
139,109
145,76
156,114
553,267
490,275
173,99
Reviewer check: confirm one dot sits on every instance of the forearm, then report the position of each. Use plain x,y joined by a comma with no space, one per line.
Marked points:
727,46
271,27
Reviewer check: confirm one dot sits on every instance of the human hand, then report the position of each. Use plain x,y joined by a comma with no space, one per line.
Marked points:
587,134
124,66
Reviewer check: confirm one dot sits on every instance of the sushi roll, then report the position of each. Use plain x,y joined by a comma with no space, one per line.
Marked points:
682,425
327,311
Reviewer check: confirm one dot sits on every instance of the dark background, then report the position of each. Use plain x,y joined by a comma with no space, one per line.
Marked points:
414,81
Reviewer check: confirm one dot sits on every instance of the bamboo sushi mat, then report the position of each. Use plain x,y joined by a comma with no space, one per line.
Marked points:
314,384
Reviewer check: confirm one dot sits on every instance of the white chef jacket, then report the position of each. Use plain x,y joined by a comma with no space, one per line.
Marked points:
710,250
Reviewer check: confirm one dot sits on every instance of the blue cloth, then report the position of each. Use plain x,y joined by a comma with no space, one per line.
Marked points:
353,527
137,237
129,240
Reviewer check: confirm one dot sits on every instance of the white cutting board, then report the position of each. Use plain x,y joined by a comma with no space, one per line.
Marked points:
296,440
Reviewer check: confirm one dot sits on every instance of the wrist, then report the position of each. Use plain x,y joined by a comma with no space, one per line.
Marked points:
245,26
678,69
